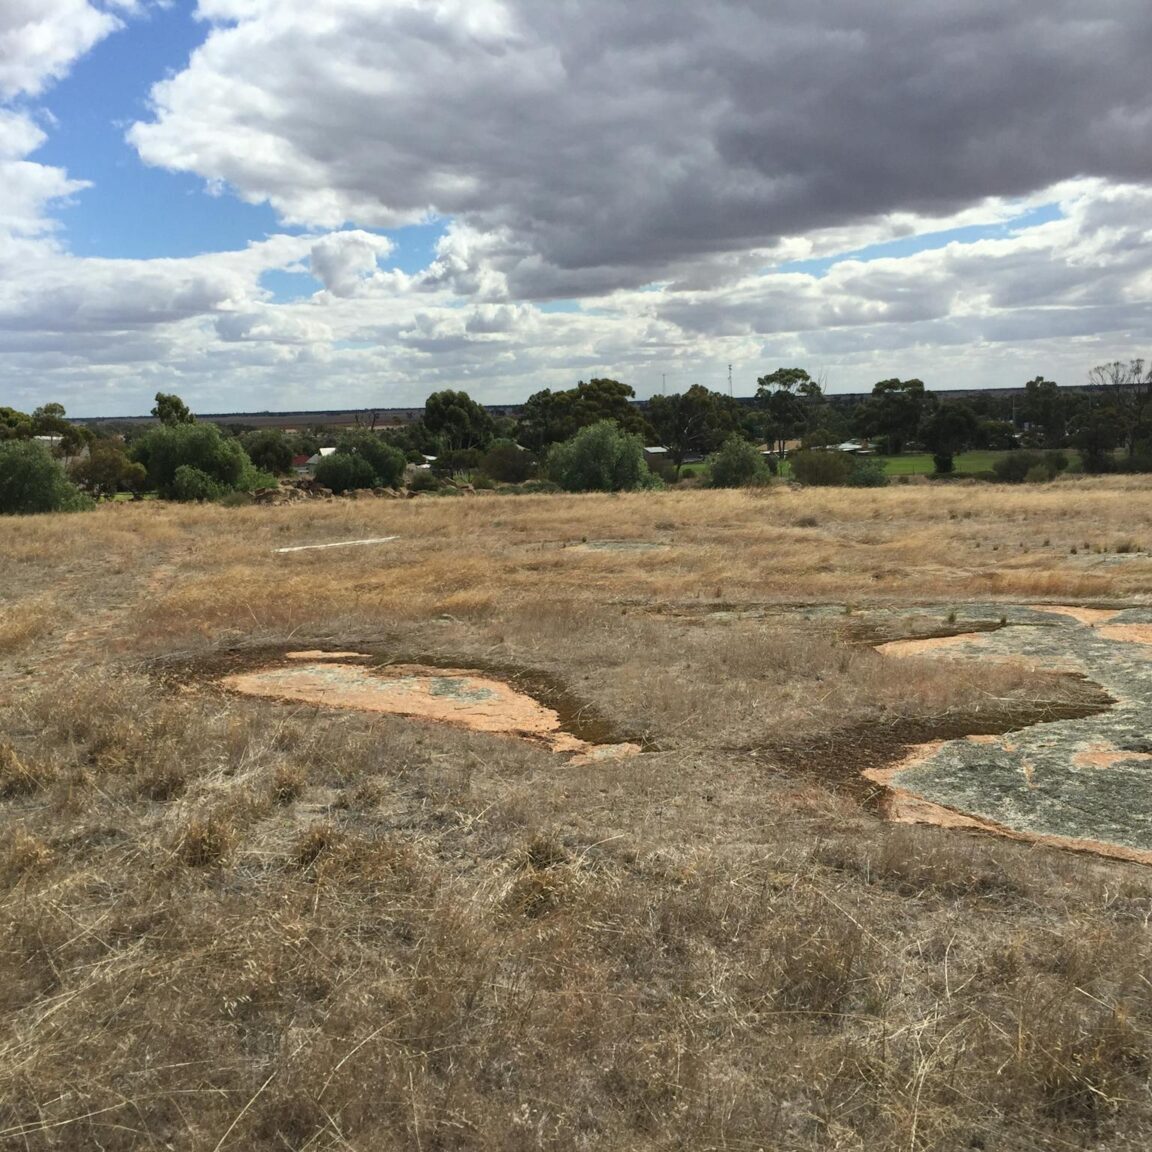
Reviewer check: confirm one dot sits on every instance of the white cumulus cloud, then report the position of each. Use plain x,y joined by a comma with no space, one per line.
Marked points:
41,39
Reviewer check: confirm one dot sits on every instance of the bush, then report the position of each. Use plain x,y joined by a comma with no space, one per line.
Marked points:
508,463
236,500
867,473
461,461
107,470
736,465
386,462
822,469
601,458
1030,467
424,481
342,472
269,449
201,447
32,481
1140,461
192,484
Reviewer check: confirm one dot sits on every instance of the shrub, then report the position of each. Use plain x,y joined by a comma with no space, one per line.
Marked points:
601,458
341,472
386,462
458,462
201,447
508,463
269,449
1141,461
423,481
107,470
32,481
867,473
821,469
1031,467
736,465
236,500
193,484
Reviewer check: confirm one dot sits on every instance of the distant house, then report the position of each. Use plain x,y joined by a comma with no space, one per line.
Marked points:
54,444
315,459
300,465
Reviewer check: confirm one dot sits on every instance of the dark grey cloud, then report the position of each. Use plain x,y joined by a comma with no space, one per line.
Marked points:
605,144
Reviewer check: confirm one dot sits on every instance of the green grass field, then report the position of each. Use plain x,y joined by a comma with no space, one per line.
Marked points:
920,463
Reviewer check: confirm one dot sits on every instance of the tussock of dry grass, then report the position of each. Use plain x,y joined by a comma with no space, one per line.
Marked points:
24,623
232,923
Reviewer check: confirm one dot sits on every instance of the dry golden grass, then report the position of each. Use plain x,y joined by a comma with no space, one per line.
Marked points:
229,923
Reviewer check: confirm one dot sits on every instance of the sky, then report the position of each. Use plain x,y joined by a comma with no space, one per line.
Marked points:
310,204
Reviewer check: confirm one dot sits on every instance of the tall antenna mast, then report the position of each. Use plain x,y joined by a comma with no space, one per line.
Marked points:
729,381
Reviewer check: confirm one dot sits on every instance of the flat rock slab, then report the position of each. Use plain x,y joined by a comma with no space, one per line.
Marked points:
1083,783
463,698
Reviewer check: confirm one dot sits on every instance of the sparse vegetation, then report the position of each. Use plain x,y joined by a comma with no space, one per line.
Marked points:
237,923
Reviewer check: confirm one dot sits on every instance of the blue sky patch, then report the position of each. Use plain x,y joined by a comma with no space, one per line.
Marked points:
926,242
132,210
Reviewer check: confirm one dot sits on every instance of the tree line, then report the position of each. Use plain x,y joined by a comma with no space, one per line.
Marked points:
589,437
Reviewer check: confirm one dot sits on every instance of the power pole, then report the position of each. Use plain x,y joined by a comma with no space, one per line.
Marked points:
729,381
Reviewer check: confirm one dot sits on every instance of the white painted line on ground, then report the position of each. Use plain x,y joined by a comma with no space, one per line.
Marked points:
338,544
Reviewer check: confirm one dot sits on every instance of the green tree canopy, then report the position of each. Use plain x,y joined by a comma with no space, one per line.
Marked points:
1046,411
343,472
457,421
31,480
107,469
269,449
949,428
696,421
15,425
893,412
1125,390
788,399
164,449
1096,434
169,409
601,458
49,420
553,417
506,462
386,461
